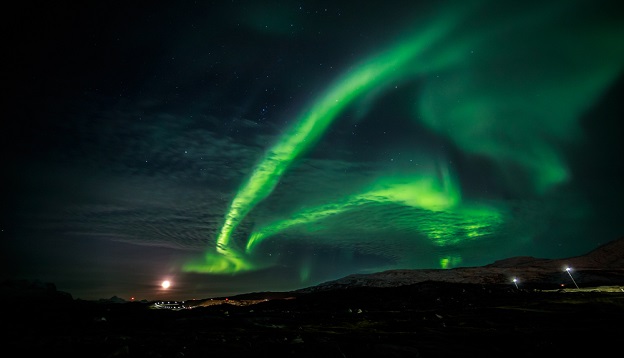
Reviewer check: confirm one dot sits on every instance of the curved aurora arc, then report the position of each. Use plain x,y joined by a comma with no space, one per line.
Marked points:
423,192
549,117
442,217
307,130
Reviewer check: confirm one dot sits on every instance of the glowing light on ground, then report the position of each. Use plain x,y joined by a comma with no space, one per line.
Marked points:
570,274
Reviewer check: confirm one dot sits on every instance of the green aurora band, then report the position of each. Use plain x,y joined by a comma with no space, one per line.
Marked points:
516,117
424,192
442,217
309,127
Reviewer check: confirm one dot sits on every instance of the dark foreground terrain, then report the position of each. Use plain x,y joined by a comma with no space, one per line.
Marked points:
430,319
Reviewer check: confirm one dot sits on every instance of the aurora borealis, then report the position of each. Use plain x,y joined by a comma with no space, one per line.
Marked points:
251,146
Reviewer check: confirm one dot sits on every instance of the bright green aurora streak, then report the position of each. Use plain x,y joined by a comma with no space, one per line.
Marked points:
419,192
443,218
495,102
308,128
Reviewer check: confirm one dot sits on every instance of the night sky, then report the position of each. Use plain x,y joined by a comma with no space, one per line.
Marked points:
245,146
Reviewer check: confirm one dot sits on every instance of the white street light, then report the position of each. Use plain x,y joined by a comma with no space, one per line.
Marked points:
515,281
568,271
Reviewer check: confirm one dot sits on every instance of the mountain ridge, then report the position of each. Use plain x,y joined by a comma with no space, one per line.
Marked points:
601,266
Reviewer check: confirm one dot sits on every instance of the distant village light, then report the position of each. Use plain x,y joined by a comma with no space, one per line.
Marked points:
515,281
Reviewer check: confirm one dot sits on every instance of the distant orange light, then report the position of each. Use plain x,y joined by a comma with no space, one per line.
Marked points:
166,284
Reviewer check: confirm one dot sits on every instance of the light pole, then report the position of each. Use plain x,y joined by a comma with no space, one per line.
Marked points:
515,281
568,271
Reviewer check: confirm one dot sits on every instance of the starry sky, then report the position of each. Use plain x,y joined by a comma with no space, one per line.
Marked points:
245,146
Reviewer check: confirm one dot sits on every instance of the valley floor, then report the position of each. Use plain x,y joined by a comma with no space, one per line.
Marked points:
450,322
